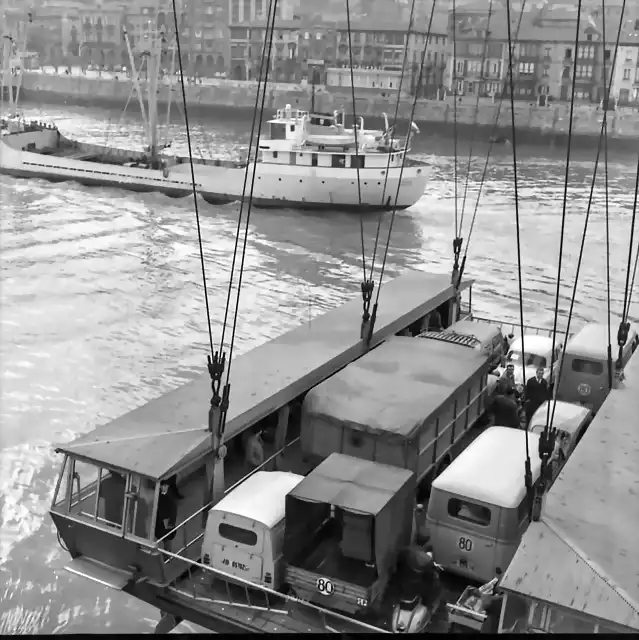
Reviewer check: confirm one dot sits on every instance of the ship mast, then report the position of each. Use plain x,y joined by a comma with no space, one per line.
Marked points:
7,52
153,69
21,53
151,55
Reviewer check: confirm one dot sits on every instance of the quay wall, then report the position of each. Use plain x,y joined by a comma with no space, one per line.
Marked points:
550,121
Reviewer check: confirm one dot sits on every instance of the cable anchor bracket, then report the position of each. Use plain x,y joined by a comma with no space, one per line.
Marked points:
457,269
368,320
216,366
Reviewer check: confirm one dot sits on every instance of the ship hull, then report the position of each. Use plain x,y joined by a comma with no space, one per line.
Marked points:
25,155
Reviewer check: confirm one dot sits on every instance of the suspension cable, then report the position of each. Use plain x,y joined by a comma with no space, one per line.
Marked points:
472,139
401,173
586,221
261,87
622,333
527,472
272,3
634,274
491,142
548,436
607,208
392,137
365,282
457,240
193,184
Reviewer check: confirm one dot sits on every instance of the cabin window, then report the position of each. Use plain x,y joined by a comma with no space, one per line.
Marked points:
278,131
469,512
292,128
140,507
590,367
61,497
314,159
84,489
111,493
338,160
274,154
357,162
238,534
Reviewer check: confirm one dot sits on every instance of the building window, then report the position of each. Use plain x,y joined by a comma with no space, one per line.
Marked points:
526,68
586,51
626,74
548,52
584,72
568,54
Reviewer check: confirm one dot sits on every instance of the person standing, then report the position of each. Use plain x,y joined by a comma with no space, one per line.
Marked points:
537,392
167,514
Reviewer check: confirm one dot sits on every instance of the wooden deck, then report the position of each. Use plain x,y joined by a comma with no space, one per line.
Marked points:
157,438
583,553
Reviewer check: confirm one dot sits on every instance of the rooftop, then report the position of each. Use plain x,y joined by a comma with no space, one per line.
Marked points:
582,554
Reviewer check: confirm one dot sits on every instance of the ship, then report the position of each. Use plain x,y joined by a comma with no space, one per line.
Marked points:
309,161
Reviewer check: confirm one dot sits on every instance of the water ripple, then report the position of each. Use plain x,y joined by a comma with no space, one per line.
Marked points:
102,306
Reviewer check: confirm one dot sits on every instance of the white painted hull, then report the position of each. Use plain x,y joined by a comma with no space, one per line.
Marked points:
276,185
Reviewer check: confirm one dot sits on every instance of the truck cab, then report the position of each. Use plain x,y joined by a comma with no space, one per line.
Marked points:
346,524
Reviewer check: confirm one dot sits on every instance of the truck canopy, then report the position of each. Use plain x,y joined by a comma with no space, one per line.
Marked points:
373,504
393,389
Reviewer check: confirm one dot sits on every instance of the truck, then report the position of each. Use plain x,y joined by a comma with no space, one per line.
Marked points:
411,402
346,524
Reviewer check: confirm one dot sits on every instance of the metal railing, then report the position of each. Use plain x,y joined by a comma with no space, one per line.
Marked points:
264,600
253,597
514,328
209,504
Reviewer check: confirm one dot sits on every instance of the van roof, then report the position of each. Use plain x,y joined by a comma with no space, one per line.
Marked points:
491,468
567,416
261,497
592,340
539,345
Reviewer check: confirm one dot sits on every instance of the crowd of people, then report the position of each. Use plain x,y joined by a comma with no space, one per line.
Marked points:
513,406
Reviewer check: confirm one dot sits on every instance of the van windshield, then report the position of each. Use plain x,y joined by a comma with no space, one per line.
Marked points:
590,367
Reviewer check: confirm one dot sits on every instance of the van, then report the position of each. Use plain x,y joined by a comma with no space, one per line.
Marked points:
244,534
478,509
584,371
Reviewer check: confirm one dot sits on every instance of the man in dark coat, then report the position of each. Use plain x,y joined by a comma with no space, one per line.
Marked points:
167,513
537,393
505,409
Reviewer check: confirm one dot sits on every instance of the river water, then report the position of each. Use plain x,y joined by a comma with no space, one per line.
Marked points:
102,306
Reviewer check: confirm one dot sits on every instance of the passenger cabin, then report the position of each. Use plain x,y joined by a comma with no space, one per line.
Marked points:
300,138
577,569
105,505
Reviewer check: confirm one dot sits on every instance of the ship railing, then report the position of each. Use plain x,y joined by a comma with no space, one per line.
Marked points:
242,594
269,463
514,328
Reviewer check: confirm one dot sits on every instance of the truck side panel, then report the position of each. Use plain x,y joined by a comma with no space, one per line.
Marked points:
440,432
